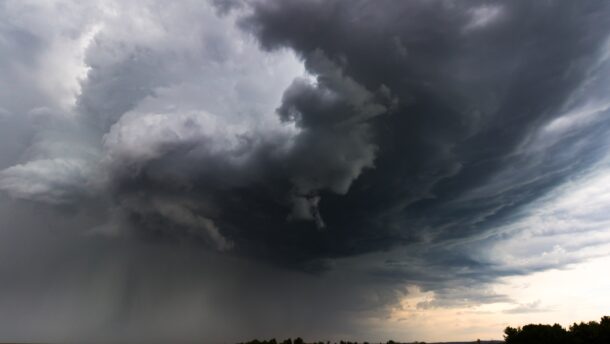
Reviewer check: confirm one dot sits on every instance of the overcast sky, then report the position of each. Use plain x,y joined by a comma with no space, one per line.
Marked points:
362,170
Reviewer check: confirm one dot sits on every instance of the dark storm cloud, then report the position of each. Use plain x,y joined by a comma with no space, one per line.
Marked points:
404,131
422,131
409,129
415,106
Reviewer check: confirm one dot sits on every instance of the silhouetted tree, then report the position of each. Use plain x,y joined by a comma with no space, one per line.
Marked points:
583,333
604,329
534,334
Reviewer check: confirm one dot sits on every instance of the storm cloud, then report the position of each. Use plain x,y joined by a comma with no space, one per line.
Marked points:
292,144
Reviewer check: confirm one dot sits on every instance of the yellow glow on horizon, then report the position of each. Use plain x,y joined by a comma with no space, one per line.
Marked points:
578,293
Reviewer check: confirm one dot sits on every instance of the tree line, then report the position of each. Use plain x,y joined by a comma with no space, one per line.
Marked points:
592,332
300,341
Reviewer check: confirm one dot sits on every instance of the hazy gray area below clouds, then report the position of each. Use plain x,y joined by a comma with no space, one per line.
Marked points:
225,170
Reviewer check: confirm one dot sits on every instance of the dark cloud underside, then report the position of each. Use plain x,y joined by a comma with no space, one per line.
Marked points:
415,104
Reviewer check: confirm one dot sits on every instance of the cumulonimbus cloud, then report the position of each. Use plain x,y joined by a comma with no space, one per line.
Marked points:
301,132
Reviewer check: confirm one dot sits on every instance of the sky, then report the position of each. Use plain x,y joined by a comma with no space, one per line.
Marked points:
218,171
